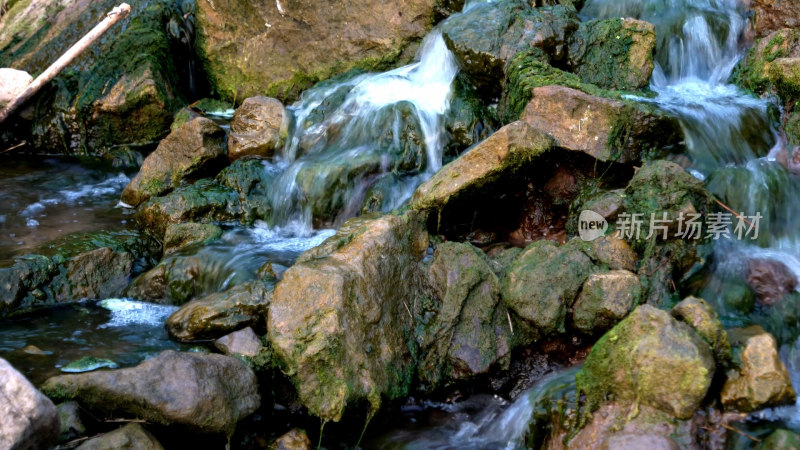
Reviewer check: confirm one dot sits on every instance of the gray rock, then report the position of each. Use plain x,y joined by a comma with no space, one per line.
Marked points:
243,342
205,393
28,419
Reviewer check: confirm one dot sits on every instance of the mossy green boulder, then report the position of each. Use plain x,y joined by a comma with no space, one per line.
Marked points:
652,359
542,284
604,300
698,314
340,319
463,329
613,53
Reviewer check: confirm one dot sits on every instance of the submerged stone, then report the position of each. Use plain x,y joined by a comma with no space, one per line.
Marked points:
88,364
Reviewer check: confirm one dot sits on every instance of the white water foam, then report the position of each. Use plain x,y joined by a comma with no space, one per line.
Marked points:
126,312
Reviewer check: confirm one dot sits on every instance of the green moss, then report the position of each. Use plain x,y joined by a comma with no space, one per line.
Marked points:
530,69
751,73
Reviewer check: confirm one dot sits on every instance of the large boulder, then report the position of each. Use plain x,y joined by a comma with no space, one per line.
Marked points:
194,149
221,313
129,437
614,53
121,91
463,328
607,129
79,266
258,128
543,281
340,319
205,393
488,35
251,48
28,419
652,359
761,379
499,156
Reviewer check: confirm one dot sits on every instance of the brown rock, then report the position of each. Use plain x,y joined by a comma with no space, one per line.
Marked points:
762,379
221,313
196,148
771,280
613,427
294,439
608,130
771,15
605,299
487,162
257,129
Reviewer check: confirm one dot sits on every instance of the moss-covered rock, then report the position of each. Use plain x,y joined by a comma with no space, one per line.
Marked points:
218,314
613,53
339,319
196,148
75,267
543,282
499,156
780,439
121,91
752,73
605,299
652,359
202,202
463,329
180,235
251,48
761,379
488,35
608,130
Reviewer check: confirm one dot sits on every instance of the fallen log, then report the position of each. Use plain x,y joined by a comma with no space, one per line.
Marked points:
118,13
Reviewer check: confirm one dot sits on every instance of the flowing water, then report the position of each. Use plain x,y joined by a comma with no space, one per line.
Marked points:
42,200
368,140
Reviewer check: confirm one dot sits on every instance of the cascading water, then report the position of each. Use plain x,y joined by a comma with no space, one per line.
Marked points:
372,132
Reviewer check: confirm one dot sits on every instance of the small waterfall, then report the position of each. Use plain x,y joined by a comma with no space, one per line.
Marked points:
372,130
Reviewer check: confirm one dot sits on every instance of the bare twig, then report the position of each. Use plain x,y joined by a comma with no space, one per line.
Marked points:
748,436
14,147
510,326
117,14
738,216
